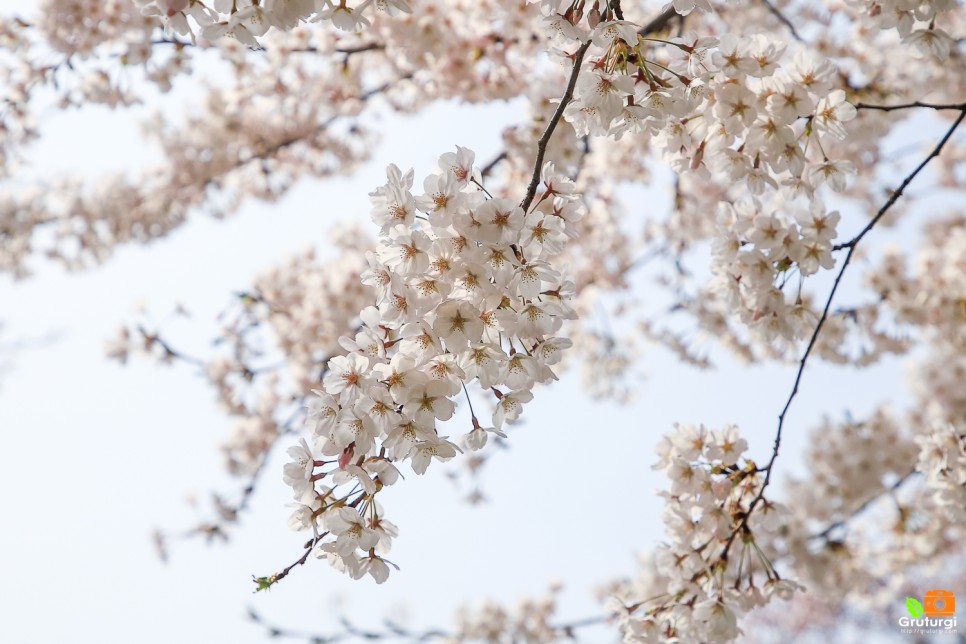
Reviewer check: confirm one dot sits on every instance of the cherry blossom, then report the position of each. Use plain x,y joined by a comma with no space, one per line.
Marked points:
424,341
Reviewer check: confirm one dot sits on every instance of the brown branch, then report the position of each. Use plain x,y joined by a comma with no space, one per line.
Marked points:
615,5
349,50
372,46
898,192
547,133
180,44
266,152
852,245
906,106
230,513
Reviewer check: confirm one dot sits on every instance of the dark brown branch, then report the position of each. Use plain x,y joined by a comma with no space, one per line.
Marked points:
356,49
907,106
852,245
618,10
898,192
547,133
259,155
230,513
180,44
372,46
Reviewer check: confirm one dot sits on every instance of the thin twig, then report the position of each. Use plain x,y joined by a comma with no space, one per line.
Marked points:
372,46
172,41
488,168
354,49
865,505
907,106
660,22
264,583
349,50
898,192
397,632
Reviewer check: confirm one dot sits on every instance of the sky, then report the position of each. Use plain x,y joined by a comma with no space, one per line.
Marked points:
94,456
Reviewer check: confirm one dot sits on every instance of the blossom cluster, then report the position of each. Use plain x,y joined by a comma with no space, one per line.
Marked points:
712,570
943,460
733,107
928,298
465,291
752,113
530,620
916,21
863,518
845,469
272,339
246,20
757,253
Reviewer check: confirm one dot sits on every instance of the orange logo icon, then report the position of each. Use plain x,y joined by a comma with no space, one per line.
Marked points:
939,603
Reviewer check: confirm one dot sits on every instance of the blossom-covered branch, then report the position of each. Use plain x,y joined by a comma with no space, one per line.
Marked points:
896,194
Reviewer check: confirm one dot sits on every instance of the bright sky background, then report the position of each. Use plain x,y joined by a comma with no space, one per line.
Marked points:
94,456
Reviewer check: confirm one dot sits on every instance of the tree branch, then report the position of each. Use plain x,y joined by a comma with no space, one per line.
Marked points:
396,632
348,50
547,133
824,534
898,192
656,24
906,106
488,168
768,469
618,10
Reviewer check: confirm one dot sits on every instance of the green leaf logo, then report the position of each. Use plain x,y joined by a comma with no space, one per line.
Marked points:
914,607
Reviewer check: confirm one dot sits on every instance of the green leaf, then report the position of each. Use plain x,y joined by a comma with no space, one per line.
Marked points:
264,583
914,607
